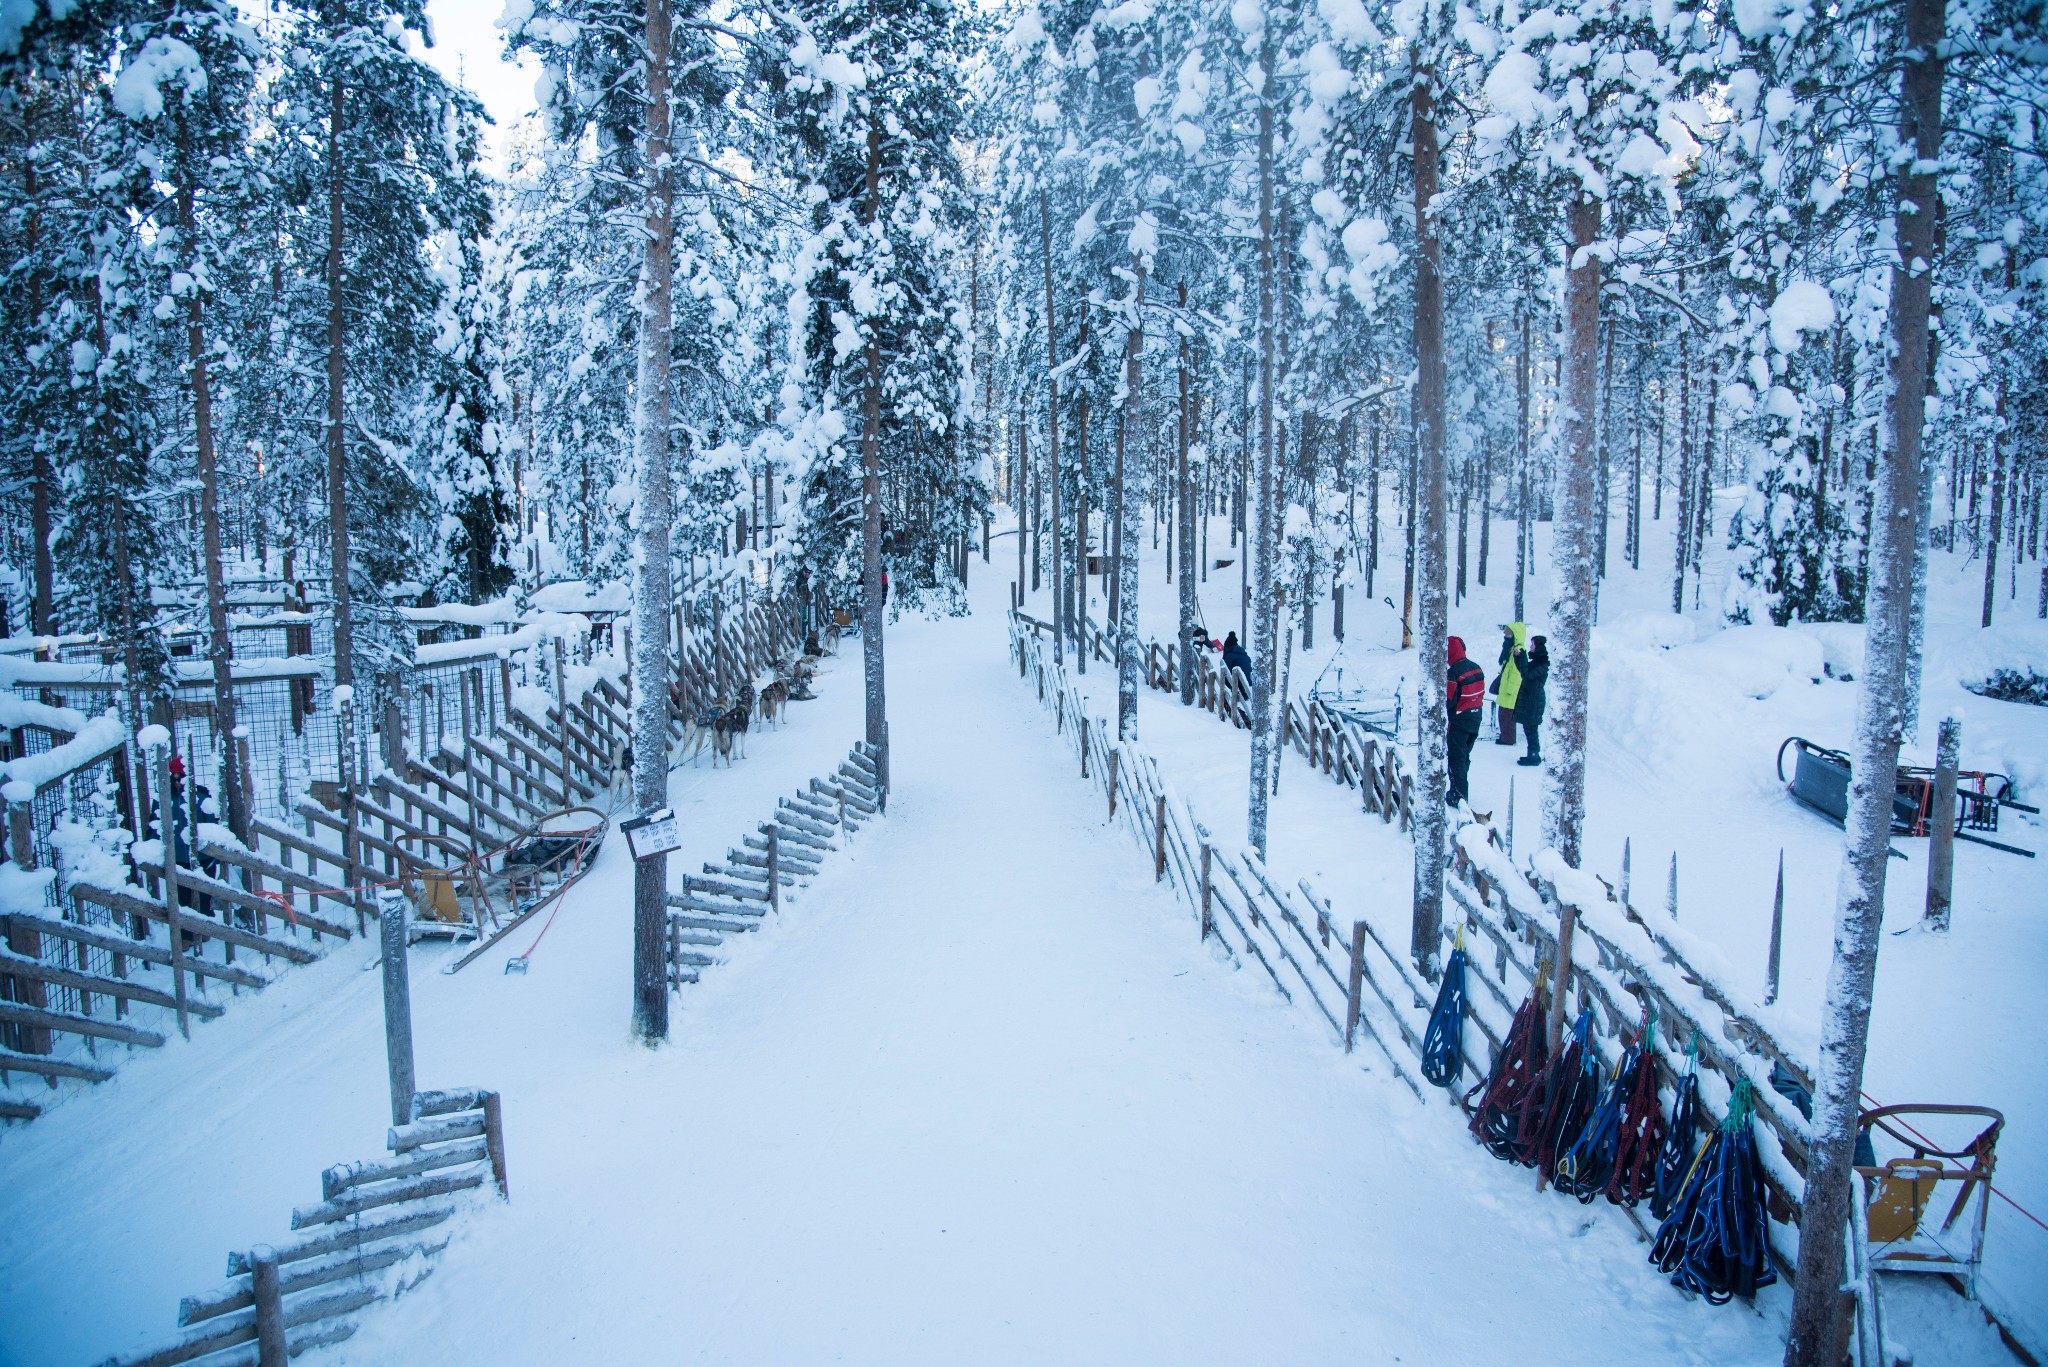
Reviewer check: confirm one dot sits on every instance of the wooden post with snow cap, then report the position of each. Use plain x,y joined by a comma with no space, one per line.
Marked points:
1671,889
774,887
1941,826
1777,935
1116,755
1081,730
1208,920
562,708
1625,874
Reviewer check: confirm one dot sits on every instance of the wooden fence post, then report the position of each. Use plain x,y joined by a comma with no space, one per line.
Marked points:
775,892
1351,1001
1115,758
271,1350
1081,730
397,1004
1941,829
166,816
1159,840
1777,935
494,1140
1207,922
31,1039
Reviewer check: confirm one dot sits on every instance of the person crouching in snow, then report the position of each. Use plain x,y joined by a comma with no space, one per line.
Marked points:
1534,665
1467,689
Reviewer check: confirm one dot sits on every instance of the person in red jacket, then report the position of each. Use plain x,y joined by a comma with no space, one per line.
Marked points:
1467,688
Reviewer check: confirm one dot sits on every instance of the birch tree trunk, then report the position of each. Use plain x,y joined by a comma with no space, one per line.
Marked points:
219,645
871,500
1264,547
1129,668
1432,713
337,465
1573,542
1819,1331
651,601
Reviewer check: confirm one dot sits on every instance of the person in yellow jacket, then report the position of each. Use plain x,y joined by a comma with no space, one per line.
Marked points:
1507,685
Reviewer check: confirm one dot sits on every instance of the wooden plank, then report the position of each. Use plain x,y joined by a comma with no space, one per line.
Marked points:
19,1110
722,925
517,744
314,888
11,1062
386,1194
288,839
20,966
718,888
14,1013
141,950
433,807
521,771
201,884
482,777
303,1276
684,902
354,1235
193,925
239,1327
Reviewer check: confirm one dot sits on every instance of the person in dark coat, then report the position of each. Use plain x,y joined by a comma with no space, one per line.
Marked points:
1236,656
1466,683
1534,664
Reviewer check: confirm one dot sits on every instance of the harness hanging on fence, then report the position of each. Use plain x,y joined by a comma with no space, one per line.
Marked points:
1443,1044
1517,1075
1674,1157
1585,1169
1571,1086
1714,1241
1642,1124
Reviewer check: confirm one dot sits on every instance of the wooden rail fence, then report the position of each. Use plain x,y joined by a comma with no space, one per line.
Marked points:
787,850
372,1236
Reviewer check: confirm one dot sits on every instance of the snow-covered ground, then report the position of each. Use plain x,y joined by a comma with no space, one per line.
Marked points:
979,1094
1684,739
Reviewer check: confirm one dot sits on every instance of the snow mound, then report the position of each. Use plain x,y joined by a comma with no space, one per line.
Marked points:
2011,647
1841,645
1757,661
1642,630
574,595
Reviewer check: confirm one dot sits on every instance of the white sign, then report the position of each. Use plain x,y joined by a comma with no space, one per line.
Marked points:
655,833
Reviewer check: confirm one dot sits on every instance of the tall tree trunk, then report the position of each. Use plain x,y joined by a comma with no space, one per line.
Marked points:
1432,780
652,599
219,646
871,498
1052,434
42,614
1685,480
1998,464
337,464
1522,476
1818,1333
1572,544
1186,528
1264,548
1129,667
1079,619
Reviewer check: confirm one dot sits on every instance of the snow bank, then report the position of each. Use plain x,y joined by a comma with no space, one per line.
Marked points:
1841,645
31,772
1757,660
498,612
1645,630
545,627
575,595
2021,647
18,711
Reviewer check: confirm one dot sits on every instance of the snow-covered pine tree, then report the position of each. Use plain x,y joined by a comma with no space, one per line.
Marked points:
883,334
373,142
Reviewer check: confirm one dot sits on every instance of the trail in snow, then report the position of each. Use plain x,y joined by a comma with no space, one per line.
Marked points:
982,1097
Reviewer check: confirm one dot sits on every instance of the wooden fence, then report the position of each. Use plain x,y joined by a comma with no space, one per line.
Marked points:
372,1236
732,898
1621,958
1336,747
491,741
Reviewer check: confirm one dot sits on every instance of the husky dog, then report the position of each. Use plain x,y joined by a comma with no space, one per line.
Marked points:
773,696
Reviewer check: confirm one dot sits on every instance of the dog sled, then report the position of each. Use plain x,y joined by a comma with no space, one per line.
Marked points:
463,894
1820,781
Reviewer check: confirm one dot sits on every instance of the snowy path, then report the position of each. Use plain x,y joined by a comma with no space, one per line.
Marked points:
981,1097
